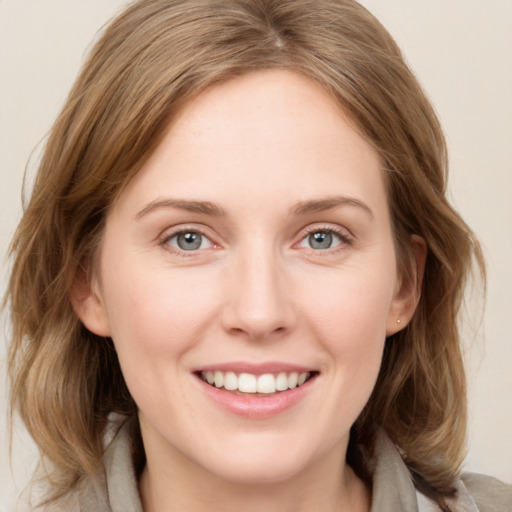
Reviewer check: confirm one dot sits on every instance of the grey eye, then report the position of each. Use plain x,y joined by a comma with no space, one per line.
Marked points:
321,240
189,241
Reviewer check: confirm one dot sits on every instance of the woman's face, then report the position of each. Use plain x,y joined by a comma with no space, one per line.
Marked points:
253,249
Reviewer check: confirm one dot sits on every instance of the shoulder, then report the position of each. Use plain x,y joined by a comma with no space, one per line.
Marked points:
490,494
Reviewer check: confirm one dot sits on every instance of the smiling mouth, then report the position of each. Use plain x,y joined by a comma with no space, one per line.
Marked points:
256,385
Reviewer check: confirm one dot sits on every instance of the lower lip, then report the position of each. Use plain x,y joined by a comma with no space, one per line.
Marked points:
256,407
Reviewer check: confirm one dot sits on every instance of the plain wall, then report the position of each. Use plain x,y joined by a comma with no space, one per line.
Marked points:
462,52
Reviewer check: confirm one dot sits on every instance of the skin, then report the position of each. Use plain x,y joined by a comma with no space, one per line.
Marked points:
259,147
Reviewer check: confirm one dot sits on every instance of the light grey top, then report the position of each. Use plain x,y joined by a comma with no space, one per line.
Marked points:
393,489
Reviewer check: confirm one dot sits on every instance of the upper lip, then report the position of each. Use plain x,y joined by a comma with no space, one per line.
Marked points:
255,368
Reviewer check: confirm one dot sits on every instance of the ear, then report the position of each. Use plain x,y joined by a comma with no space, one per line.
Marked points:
408,291
88,304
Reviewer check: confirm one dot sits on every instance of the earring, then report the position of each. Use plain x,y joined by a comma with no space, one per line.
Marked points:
398,321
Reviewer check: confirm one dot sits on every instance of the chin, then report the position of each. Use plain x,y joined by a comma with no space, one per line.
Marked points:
250,473
263,462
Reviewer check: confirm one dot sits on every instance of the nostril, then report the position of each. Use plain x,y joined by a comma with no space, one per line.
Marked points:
258,332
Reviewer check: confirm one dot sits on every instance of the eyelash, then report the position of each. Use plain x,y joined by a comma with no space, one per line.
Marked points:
346,240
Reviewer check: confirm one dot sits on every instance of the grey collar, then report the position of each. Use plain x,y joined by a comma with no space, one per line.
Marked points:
393,490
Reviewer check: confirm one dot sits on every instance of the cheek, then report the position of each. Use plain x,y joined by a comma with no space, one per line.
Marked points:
155,313
349,308
350,321
155,319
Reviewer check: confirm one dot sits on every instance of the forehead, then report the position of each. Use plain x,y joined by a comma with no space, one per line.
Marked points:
278,107
256,133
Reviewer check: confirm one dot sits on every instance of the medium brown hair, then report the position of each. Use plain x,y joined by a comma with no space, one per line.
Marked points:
152,60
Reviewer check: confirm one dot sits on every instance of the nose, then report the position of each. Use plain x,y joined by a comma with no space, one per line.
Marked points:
258,301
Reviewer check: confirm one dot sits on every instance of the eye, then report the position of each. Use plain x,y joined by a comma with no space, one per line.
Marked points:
189,241
321,240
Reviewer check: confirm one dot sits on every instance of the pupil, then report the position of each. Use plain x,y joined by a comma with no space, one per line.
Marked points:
189,241
320,240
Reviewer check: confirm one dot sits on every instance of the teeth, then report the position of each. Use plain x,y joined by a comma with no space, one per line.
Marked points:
219,379
282,382
266,383
230,381
302,378
293,379
249,383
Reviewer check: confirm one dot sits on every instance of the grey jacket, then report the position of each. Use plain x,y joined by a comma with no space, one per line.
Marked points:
393,490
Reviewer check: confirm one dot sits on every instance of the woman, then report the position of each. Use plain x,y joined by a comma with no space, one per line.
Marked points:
238,272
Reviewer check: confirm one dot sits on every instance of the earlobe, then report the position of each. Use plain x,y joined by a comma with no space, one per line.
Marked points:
408,292
88,304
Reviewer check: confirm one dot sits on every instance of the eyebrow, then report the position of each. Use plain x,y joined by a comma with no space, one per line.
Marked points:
327,203
204,207
211,209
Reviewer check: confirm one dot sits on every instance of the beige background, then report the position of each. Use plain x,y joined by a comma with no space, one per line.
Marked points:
462,53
